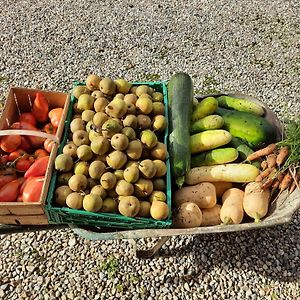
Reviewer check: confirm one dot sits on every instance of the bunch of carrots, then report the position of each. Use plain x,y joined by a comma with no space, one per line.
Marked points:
281,162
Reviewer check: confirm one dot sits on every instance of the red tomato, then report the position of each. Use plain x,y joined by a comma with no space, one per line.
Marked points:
40,108
33,189
25,143
22,165
49,128
34,140
55,116
4,179
48,145
16,154
10,191
10,143
40,153
28,118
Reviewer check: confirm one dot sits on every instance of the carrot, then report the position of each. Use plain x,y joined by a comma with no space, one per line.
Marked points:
276,183
282,155
285,182
269,180
271,160
295,183
262,152
264,165
264,174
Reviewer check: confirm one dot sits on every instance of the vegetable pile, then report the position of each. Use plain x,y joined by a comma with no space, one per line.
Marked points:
236,164
24,158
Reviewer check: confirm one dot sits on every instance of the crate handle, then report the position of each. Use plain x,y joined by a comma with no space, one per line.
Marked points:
31,133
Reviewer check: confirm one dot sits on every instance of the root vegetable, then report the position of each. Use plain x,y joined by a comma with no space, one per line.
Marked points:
211,216
232,209
264,174
271,160
282,156
202,194
222,187
262,152
264,165
295,183
256,200
287,179
187,215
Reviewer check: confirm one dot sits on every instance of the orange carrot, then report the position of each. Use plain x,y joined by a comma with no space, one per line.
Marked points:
269,180
282,156
285,182
295,183
271,160
276,183
264,174
262,152
264,165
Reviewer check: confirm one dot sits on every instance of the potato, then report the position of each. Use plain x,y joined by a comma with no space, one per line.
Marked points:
187,215
222,187
232,209
211,216
256,200
202,194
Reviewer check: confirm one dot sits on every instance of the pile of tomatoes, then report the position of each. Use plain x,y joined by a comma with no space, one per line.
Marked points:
24,159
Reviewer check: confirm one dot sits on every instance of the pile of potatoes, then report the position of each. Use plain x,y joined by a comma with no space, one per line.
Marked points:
114,161
215,203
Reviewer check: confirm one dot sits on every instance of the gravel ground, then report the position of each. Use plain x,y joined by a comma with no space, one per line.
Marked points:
248,46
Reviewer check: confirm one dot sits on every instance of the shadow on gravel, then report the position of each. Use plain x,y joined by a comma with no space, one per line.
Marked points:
273,252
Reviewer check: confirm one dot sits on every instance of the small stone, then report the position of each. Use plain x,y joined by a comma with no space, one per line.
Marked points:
30,268
72,242
186,286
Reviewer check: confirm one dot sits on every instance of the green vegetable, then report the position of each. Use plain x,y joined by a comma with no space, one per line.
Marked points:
254,130
181,94
209,139
229,173
215,157
204,108
207,123
292,141
243,150
241,105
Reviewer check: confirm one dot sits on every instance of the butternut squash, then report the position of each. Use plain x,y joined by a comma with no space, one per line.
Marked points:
222,187
232,211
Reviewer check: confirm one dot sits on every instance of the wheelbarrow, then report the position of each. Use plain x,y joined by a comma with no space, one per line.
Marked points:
280,212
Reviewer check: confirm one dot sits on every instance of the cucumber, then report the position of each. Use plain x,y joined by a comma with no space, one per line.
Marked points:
180,94
204,108
207,123
254,130
209,139
241,105
243,150
215,157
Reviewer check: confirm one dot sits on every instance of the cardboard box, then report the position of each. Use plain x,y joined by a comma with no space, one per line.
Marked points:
20,100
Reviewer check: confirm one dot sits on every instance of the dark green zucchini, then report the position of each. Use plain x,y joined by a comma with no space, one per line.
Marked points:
180,96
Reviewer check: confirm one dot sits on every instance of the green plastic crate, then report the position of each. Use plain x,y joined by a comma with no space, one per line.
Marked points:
64,215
